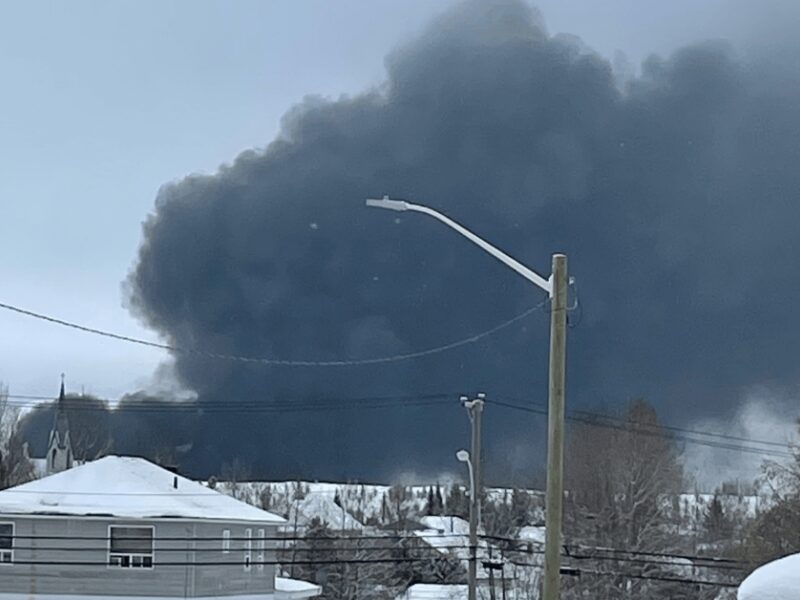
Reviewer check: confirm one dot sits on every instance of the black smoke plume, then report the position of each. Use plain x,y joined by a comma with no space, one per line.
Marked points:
675,195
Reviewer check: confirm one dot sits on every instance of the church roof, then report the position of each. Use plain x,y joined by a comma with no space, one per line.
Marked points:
128,488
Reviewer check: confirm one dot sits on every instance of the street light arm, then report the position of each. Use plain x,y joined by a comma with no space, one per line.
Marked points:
532,276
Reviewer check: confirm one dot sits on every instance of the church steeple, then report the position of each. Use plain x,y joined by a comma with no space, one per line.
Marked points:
59,448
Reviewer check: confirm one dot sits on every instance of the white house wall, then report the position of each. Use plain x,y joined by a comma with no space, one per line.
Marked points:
52,578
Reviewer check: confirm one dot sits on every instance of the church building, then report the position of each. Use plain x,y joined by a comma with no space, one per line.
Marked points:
59,448
59,456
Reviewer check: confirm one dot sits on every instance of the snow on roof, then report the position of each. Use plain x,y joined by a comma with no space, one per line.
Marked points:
286,588
446,524
777,580
39,467
430,591
126,487
532,533
450,536
322,507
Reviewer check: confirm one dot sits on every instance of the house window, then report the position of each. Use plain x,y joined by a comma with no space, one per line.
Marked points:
6,543
248,549
131,547
226,541
261,547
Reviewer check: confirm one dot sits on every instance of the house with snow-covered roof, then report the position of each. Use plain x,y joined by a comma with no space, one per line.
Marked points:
122,528
449,535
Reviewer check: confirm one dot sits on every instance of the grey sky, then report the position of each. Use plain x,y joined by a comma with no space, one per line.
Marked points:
102,102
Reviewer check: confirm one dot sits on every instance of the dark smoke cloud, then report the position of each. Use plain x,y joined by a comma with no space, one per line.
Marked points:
675,198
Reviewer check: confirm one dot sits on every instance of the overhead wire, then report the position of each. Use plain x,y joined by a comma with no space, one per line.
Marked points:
595,420
745,445
434,554
241,406
267,407
351,543
281,362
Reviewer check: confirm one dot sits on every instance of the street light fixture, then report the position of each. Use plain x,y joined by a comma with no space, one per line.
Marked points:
464,457
556,288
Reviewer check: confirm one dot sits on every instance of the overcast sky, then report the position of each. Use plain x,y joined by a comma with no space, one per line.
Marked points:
103,102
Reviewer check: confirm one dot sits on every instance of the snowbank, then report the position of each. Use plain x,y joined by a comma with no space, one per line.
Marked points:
778,580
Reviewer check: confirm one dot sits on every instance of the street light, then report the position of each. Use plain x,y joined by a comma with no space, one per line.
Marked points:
464,457
402,205
556,288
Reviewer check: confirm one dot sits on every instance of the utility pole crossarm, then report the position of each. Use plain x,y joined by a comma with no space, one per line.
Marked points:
530,275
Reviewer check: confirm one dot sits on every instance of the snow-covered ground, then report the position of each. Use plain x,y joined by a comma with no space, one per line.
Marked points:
364,502
322,508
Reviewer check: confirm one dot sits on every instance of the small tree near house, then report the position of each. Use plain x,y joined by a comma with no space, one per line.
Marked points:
15,466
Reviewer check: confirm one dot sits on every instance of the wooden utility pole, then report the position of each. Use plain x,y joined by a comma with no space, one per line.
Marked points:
555,429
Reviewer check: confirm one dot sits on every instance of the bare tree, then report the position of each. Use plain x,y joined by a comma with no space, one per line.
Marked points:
236,474
89,426
15,465
774,532
620,477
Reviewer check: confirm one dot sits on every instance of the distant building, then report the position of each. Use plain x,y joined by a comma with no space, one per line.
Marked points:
120,528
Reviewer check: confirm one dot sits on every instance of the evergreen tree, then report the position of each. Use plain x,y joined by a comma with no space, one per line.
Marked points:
717,525
457,502
522,508
439,500
430,506
384,509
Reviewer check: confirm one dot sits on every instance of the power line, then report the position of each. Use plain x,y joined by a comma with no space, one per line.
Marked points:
586,417
569,551
408,556
276,361
241,406
279,538
352,561
685,430
636,429
392,560
651,561
713,434
348,403
272,409
663,578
